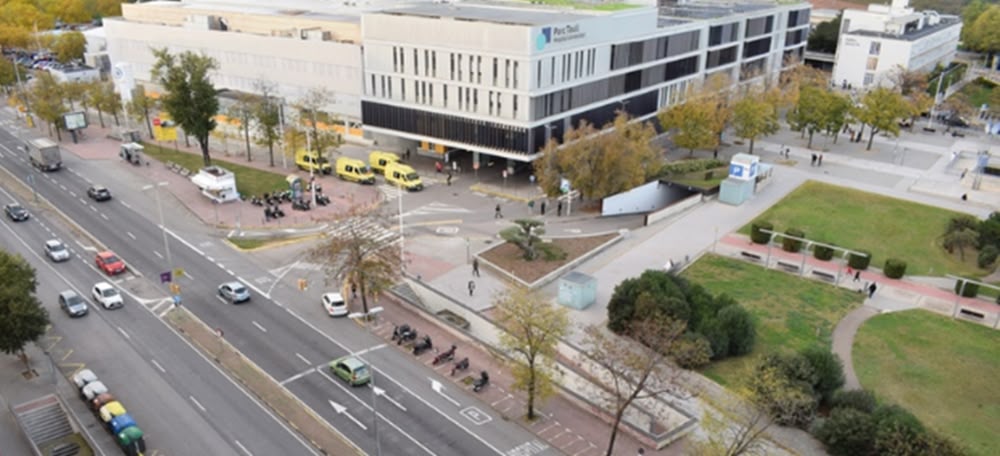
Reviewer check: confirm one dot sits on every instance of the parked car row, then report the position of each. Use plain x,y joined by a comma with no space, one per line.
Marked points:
110,412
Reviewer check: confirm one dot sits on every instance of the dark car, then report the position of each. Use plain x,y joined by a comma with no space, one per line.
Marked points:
16,213
72,303
98,193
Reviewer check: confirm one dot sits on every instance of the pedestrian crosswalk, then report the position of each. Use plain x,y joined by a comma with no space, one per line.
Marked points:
364,228
436,209
389,192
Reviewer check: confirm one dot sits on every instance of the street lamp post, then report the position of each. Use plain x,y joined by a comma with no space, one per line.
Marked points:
937,94
163,226
367,319
402,251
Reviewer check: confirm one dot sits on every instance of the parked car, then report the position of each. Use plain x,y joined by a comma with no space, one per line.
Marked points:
56,250
72,304
98,193
234,292
16,212
351,369
109,263
107,295
334,304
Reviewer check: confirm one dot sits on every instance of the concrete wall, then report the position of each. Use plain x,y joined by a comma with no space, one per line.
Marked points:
644,198
673,209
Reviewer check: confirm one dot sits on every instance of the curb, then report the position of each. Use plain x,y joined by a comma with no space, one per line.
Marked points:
481,188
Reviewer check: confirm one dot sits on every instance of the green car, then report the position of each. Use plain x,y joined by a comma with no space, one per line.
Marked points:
351,370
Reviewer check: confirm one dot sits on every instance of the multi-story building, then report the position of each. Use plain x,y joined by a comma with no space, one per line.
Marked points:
878,42
489,78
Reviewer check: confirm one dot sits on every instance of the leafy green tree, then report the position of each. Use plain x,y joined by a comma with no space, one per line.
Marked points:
881,109
809,113
190,97
835,113
989,230
738,325
243,111
825,36
847,432
982,35
861,400
622,307
8,78
695,122
961,240
69,47
754,116
47,101
102,96
828,368
267,117
22,317
782,384
526,235
533,328
140,108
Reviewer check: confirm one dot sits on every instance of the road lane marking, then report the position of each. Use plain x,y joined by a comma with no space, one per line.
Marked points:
73,194
93,208
160,304
303,358
245,450
123,332
197,403
165,311
157,254
63,187
105,217
210,258
125,204
261,328
370,349
82,201
129,233
158,366
229,271
297,376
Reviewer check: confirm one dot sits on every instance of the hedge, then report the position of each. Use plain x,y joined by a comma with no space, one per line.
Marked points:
792,245
690,166
987,256
971,290
859,262
758,236
822,253
894,268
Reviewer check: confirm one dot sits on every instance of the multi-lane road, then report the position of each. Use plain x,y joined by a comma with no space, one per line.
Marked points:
289,337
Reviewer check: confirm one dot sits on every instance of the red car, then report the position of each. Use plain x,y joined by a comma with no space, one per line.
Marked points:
110,263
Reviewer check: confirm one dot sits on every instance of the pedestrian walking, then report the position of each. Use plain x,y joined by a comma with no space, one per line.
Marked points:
406,155
438,167
454,166
965,197
354,290
449,178
819,161
642,451
964,172
788,152
542,207
857,275
559,209
850,271
472,287
475,267
813,161
871,290
497,214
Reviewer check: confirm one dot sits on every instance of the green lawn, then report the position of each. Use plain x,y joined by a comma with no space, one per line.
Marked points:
885,226
790,312
944,371
978,92
249,181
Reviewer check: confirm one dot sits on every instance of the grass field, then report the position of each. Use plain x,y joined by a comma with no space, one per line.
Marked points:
885,226
944,371
978,92
249,181
697,179
790,312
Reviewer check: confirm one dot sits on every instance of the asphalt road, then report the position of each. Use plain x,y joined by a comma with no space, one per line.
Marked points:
290,339
183,404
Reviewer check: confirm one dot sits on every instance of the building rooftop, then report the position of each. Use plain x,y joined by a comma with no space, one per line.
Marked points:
712,10
946,21
482,12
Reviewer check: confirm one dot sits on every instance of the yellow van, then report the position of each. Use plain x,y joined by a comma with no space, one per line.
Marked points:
310,160
354,170
403,176
378,160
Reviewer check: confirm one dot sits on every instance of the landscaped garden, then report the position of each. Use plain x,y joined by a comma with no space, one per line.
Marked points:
886,227
509,257
791,313
250,181
942,370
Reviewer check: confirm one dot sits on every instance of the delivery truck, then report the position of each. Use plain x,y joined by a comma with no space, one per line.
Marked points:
44,154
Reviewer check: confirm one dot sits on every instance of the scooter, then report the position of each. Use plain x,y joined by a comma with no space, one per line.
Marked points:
422,346
446,356
462,365
322,200
481,382
301,205
256,201
403,333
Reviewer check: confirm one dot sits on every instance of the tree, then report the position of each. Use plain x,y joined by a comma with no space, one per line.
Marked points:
881,109
68,11
828,368
22,317
736,426
526,236
267,117
243,111
360,255
69,47
825,36
533,328
47,101
809,114
754,116
783,384
104,99
737,323
311,111
982,35
191,98
140,106
835,113
695,120
8,76
960,239
636,370
847,432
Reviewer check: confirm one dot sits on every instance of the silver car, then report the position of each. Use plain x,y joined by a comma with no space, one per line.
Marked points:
72,303
234,292
56,250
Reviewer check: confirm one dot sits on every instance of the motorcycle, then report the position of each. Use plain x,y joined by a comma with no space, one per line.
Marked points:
481,382
422,346
460,366
446,356
256,201
403,333
301,205
322,200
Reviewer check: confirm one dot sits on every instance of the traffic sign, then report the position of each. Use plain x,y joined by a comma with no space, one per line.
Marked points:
175,288
165,277
156,121
178,272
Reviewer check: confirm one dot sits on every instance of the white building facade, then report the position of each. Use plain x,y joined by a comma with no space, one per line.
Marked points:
874,43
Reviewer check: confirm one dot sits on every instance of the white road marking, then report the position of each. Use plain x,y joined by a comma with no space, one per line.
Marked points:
73,194
341,410
381,392
157,254
303,358
130,278
210,258
123,332
164,313
126,204
129,233
297,376
370,349
93,208
229,271
63,187
158,366
245,450
160,304
105,217
82,201
261,328
197,403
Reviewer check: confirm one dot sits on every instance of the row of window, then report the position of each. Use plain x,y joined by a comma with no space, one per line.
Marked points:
423,93
639,52
461,67
448,127
799,17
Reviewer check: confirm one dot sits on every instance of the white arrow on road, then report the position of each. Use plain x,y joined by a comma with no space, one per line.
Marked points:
341,410
439,388
381,392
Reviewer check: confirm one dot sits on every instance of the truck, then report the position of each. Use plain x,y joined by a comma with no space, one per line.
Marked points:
112,413
44,154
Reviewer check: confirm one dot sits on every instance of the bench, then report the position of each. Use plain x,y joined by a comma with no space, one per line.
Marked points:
929,130
751,255
972,313
790,267
184,172
169,165
824,275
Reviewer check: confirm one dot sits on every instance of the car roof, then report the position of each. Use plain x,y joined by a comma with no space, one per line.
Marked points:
333,297
67,293
103,285
106,254
234,284
351,362
53,243
98,187
14,206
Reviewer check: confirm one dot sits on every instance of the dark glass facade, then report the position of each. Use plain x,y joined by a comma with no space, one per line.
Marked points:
455,128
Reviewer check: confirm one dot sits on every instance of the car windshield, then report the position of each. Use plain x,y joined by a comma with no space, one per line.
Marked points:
57,248
239,290
111,259
412,177
74,301
361,371
16,208
109,292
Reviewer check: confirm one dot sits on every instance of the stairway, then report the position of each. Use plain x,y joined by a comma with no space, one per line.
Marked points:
43,420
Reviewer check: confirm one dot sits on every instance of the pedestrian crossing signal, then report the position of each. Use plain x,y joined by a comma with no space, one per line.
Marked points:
303,285
175,288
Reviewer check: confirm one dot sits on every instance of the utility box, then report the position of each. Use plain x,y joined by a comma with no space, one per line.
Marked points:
577,290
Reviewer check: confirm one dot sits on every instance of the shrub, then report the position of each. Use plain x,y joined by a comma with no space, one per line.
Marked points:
717,338
759,237
823,253
987,256
828,371
894,268
859,262
847,432
689,166
970,290
861,400
792,245
693,351
738,325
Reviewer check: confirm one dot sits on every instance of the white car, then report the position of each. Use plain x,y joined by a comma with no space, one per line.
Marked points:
107,295
334,304
56,250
